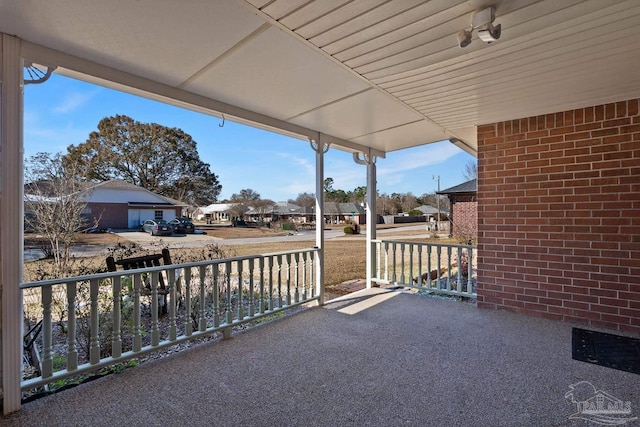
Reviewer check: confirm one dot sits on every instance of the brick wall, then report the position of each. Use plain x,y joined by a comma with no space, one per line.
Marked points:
464,219
559,216
110,215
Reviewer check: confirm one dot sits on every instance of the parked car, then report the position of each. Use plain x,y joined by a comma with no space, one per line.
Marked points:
182,225
157,228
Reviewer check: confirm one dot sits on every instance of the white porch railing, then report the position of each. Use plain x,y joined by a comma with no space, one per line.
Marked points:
446,269
108,318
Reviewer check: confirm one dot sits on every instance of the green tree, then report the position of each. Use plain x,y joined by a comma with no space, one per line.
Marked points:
332,195
161,159
359,194
327,186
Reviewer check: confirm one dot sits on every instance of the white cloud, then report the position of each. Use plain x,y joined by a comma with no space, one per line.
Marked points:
51,138
401,166
73,101
420,157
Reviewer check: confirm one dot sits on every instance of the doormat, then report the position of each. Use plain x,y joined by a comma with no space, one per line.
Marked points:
612,351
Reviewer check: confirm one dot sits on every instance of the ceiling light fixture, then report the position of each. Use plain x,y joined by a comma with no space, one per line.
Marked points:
482,21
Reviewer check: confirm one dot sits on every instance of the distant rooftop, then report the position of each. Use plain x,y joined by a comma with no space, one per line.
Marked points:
470,186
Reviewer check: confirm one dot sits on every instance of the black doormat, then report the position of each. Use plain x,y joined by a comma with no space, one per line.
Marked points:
612,351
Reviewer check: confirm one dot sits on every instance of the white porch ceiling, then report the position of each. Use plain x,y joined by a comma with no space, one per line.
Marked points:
378,74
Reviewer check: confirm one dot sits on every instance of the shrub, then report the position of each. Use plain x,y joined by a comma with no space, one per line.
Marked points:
348,230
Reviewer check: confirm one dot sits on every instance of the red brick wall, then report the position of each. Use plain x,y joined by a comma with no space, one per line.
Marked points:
110,215
559,216
464,220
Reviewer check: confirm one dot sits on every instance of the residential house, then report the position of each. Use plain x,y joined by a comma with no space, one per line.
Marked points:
337,213
118,204
463,217
213,213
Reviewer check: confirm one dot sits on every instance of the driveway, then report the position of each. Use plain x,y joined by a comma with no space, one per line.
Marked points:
146,240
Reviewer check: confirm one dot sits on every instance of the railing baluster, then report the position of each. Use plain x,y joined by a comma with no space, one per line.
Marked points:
270,283
288,258
72,343
173,326
410,263
303,268
188,322
47,332
420,281
262,296
470,270
394,250
459,278
202,305
229,308
296,292
155,331
94,346
438,273
400,274
239,299
429,269
137,338
215,270
448,268
378,259
279,259
312,276
251,285
386,261
116,334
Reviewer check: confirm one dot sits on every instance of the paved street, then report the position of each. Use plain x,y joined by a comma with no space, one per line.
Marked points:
200,239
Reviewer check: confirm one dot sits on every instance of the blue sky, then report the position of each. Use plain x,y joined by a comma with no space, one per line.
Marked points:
64,111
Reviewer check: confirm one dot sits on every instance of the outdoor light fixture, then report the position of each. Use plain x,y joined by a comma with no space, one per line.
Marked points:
482,21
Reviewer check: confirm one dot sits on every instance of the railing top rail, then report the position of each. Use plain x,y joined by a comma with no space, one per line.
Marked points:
413,242
120,273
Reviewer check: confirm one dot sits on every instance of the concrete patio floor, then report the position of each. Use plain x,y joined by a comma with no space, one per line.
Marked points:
374,358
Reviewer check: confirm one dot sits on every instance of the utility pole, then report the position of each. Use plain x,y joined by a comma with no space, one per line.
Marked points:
438,201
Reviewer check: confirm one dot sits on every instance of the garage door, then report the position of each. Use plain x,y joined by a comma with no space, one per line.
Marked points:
135,218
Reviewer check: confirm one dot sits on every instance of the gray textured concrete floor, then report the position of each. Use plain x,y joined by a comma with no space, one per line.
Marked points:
374,358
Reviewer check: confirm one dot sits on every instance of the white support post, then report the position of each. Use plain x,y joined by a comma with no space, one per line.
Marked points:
11,219
372,220
370,162
320,148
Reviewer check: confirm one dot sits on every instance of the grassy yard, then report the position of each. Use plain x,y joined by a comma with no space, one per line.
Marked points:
344,258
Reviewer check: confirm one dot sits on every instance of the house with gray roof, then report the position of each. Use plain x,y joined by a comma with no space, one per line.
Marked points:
118,204
463,217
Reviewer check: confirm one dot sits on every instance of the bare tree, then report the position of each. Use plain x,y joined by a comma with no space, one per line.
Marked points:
263,206
408,201
242,201
471,170
304,200
54,205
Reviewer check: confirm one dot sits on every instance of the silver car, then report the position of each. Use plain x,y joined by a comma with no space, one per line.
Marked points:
157,228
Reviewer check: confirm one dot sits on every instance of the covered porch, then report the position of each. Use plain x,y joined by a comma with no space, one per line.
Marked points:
550,107
376,357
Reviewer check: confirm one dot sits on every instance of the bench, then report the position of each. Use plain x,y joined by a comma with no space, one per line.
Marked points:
153,260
